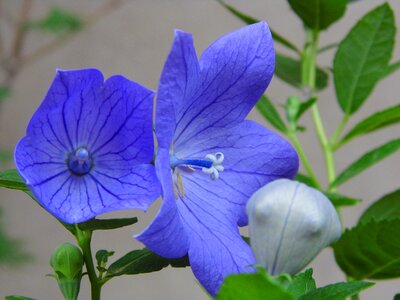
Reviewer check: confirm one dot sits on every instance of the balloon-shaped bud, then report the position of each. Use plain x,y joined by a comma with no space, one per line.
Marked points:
67,262
290,223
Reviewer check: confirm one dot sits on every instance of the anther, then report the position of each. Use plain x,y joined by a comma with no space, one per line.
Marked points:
216,166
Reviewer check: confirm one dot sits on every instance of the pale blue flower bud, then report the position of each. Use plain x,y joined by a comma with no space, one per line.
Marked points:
290,223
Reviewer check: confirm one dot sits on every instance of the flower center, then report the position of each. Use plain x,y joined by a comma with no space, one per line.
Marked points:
80,162
211,164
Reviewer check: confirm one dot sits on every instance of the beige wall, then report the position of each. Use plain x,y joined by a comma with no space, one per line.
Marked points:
134,41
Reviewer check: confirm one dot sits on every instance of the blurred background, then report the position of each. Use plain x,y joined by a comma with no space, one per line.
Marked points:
132,38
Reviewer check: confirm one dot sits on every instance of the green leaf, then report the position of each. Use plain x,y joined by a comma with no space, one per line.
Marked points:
302,283
57,21
289,70
391,69
319,14
304,106
305,179
102,257
269,112
366,161
386,208
107,224
255,286
377,121
340,200
250,20
143,261
337,291
396,297
370,250
11,179
362,57
18,298
5,92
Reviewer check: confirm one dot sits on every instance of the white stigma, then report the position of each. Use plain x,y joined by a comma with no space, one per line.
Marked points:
216,167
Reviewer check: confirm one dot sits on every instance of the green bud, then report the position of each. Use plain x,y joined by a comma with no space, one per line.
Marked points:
292,108
67,262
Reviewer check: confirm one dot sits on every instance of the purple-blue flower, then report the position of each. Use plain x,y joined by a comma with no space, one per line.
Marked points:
210,160
88,148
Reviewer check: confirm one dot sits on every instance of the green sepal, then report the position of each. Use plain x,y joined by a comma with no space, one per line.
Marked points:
288,69
270,113
367,161
362,57
143,261
319,14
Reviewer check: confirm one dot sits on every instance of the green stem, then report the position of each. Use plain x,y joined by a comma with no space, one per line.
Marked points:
84,238
309,62
338,132
303,157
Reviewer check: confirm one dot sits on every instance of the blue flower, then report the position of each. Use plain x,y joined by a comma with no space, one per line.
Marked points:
210,160
89,146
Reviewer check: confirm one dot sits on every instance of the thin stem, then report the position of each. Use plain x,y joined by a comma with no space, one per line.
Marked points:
84,238
303,157
338,132
309,82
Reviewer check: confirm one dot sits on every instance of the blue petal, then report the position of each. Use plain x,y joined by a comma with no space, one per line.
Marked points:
253,155
216,247
178,79
166,235
113,121
235,71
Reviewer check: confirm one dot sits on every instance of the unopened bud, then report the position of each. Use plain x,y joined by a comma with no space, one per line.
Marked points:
67,263
290,223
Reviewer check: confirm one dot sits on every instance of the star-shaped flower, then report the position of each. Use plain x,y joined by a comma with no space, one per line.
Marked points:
89,146
210,160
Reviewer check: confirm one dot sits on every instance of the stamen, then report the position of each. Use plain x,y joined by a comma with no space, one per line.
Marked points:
216,166
80,162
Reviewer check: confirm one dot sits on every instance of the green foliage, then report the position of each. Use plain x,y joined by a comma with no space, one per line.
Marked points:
370,250
143,261
11,179
305,179
302,283
102,258
255,286
319,14
106,224
296,108
250,20
289,70
391,69
367,161
5,92
57,21
11,251
339,200
386,208
337,291
13,297
363,57
387,117
270,113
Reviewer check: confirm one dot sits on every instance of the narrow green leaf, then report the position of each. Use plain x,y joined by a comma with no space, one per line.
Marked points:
374,122
289,70
362,57
370,250
304,106
337,291
269,112
319,14
250,20
11,179
396,297
305,179
107,224
302,283
328,47
257,286
143,261
102,257
386,208
57,21
13,297
366,161
391,69
340,200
